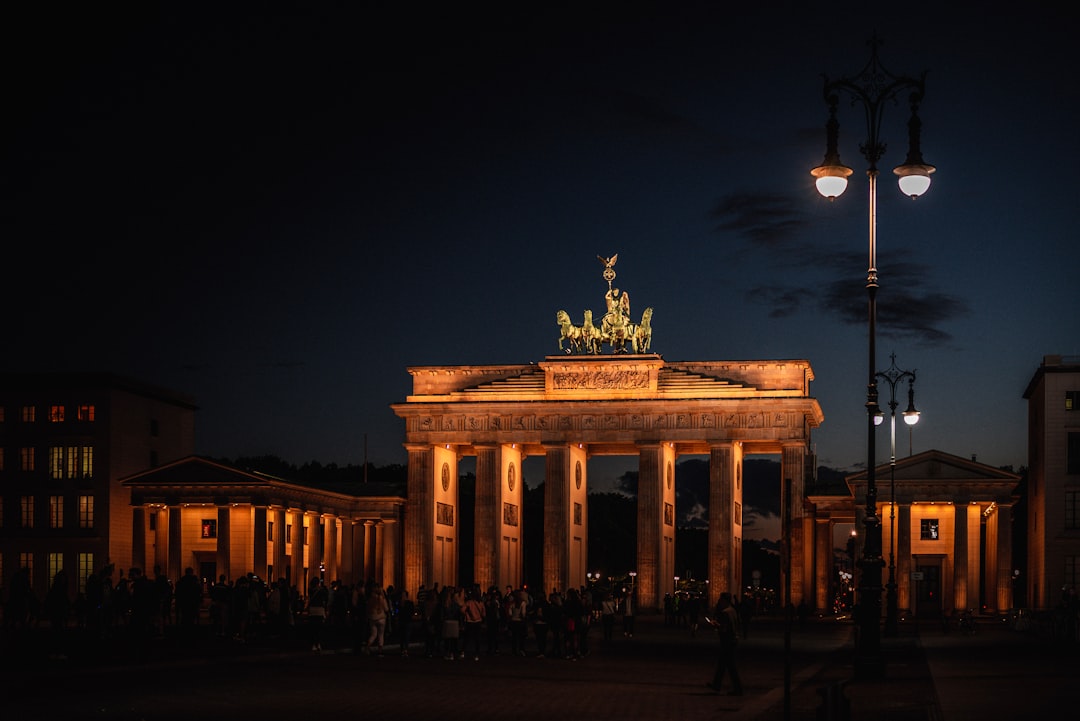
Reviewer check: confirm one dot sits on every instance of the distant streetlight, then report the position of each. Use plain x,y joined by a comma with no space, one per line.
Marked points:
872,88
893,376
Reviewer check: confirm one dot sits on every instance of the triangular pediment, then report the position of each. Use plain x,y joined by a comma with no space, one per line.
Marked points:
198,471
934,465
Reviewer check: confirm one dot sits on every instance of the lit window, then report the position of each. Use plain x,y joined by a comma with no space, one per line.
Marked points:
56,564
86,511
86,567
27,503
56,414
928,529
28,414
26,458
56,462
86,413
56,512
71,468
209,528
86,461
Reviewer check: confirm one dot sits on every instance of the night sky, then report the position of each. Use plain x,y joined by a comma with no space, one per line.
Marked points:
279,212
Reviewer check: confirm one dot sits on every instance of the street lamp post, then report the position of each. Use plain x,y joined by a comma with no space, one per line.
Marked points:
872,88
893,376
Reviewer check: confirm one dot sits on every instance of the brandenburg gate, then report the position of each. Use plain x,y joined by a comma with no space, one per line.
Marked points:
584,403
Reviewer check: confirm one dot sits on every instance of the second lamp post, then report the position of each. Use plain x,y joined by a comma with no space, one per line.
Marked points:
893,376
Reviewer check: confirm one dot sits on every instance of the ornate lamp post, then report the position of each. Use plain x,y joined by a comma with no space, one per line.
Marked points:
893,376
872,88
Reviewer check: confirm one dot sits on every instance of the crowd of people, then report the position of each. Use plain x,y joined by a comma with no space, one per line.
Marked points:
448,622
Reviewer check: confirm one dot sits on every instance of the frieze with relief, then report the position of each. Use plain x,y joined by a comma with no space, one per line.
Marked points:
600,380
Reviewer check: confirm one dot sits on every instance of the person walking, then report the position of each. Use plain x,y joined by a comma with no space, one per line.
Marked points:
726,624
378,608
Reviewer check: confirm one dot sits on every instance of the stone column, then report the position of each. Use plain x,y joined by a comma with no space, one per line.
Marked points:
1002,521
378,549
904,568
723,566
224,541
280,555
369,551
296,551
556,517
391,530
330,546
487,515
793,468
420,517
960,558
823,568
138,536
650,582
173,540
259,550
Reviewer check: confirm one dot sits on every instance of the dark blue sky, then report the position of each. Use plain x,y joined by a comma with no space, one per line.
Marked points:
279,212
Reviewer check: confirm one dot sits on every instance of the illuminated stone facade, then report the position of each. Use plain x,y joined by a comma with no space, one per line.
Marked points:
952,524
569,408
224,521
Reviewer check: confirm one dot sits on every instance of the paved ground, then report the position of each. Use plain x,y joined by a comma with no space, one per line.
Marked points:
801,673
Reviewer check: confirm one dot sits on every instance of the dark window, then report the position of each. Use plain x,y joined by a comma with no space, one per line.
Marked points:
1072,462
1072,400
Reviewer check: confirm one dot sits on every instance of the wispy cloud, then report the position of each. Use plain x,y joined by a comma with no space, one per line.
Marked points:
908,308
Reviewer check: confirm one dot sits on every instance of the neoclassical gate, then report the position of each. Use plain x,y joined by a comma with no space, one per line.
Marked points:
568,408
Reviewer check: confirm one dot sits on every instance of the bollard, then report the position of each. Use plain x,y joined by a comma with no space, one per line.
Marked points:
834,705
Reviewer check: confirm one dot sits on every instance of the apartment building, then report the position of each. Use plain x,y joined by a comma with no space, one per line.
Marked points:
1053,562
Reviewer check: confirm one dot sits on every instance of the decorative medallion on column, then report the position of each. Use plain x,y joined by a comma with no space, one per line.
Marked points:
577,475
510,479
446,476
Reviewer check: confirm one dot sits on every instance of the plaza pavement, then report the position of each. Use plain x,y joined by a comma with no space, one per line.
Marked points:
797,672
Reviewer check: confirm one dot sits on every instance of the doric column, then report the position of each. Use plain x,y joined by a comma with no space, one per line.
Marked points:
655,524
486,511
138,536
259,541
377,550
793,472
224,537
725,466
1002,522
960,557
280,554
903,558
172,538
566,517
296,550
823,567
420,518
329,546
369,551
391,543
